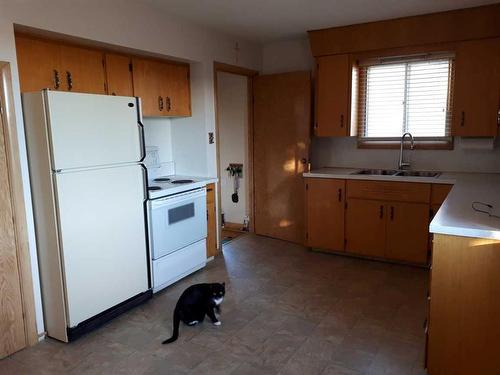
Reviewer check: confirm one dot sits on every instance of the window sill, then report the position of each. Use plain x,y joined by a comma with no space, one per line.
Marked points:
390,143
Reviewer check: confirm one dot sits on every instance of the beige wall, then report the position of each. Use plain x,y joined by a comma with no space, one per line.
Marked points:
232,110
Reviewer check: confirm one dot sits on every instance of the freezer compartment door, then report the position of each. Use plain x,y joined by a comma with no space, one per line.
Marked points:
103,238
92,130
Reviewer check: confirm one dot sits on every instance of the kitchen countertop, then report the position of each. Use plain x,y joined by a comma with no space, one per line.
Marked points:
456,216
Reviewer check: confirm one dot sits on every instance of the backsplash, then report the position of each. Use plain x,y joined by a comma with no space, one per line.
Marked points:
157,133
343,152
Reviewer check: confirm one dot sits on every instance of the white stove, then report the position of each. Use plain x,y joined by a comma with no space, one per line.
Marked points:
162,186
177,222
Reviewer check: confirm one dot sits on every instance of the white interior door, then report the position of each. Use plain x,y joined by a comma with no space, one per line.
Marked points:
92,130
103,238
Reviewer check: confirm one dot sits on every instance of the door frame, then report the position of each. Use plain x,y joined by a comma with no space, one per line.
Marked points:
8,118
249,74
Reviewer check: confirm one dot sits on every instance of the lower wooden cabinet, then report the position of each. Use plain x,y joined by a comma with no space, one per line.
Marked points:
211,222
325,200
391,230
378,219
463,323
365,227
407,232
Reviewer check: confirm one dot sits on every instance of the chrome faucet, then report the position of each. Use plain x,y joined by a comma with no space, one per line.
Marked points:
403,164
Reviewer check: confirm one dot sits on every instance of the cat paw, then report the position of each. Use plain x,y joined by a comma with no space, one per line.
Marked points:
194,322
217,323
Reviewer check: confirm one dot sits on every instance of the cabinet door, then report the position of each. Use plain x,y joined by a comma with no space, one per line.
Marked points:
147,79
211,222
83,70
38,63
332,99
407,232
118,75
176,90
477,88
325,213
365,227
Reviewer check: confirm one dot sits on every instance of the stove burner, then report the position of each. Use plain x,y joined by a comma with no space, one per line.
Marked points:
154,188
162,179
182,181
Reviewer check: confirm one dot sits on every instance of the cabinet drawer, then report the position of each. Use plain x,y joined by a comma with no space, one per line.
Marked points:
439,193
389,191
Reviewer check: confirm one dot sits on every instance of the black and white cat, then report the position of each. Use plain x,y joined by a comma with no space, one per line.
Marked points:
194,303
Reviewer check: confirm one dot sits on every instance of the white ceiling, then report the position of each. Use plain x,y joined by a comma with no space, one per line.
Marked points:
271,20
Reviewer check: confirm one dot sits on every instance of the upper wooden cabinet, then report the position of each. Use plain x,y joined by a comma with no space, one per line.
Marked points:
477,88
333,87
147,85
325,200
163,87
119,75
177,90
38,62
46,64
82,70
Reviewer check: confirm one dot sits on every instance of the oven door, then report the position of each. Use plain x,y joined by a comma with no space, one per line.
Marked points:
177,221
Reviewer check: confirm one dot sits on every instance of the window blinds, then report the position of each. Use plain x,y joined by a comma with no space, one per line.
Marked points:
412,94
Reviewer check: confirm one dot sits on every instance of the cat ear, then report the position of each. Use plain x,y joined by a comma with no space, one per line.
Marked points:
224,284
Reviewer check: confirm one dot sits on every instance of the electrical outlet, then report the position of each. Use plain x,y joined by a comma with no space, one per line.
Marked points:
210,138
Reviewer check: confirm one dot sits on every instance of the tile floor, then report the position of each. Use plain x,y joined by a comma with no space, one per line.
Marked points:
287,311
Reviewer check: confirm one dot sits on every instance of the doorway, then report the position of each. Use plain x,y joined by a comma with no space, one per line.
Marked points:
233,90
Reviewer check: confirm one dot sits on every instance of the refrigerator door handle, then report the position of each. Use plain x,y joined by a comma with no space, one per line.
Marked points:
142,141
145,182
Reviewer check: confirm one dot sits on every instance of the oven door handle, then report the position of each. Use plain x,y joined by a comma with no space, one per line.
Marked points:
179,198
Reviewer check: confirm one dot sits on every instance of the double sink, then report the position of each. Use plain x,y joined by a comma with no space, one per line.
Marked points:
396,173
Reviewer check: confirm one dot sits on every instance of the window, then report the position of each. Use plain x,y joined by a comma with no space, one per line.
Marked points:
399,95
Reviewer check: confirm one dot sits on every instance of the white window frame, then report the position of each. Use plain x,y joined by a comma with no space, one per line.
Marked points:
359,106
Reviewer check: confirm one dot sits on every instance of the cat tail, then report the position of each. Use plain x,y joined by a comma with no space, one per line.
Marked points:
175,334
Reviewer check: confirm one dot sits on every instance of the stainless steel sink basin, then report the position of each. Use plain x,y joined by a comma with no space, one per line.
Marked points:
417,174
393,172
377,172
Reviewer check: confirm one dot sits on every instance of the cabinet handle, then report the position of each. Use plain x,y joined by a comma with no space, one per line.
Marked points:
57,81
381,215
340,195
341,121
462,119
392,213
169,103
498,117
69,78
160,103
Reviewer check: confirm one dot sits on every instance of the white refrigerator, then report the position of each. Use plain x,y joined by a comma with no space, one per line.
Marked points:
89,192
